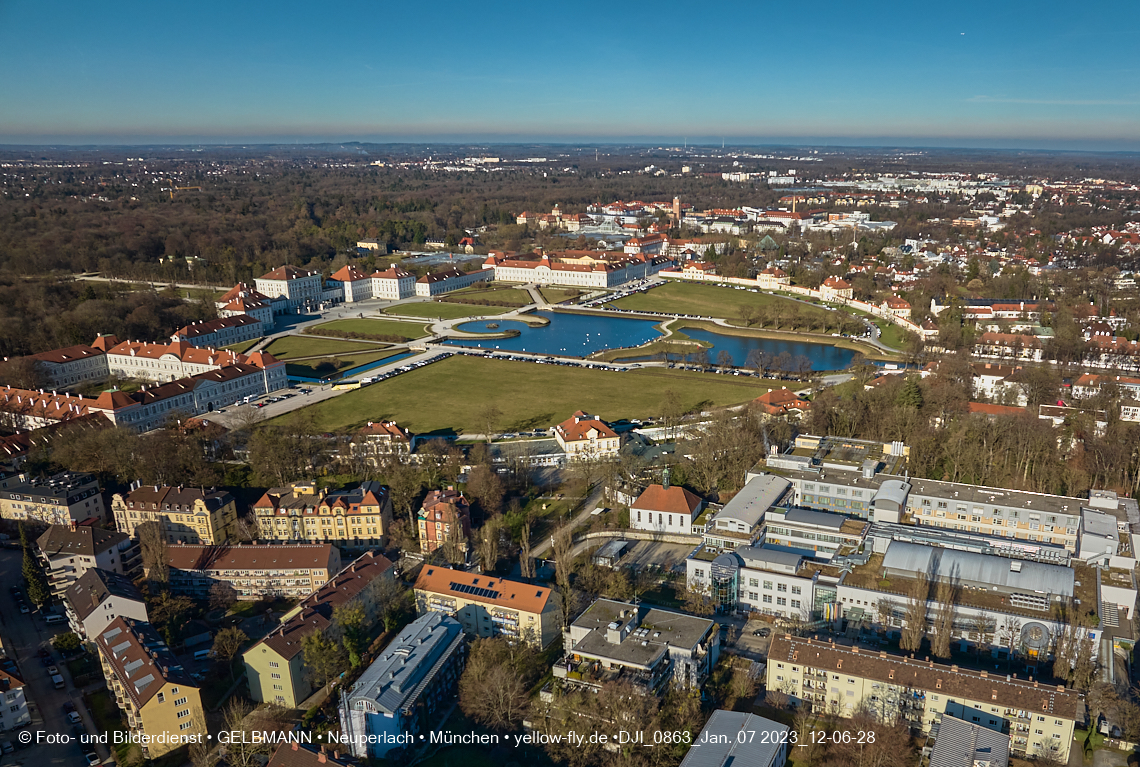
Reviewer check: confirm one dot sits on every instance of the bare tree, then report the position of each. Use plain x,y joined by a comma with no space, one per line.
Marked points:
227,644
915,628
242,717
1010,634
488,545
946,596
562,545
223,596
526,562
152,543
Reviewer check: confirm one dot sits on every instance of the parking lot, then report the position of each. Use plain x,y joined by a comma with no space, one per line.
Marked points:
650,554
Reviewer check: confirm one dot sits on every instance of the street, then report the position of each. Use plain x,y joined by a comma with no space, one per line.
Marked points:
23,636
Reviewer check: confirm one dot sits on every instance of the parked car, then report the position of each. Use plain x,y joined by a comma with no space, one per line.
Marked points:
73,717
7,747
92,758
53,670
24,609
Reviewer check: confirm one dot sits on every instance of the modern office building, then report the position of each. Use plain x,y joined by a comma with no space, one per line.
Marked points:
407,689
740,521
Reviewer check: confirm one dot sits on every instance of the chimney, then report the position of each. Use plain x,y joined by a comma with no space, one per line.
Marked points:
321,758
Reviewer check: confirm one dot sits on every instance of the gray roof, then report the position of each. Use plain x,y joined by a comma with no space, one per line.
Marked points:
665,629
393,678
1099,523
816,518
95,586
981,570
719,746
962,744
893,490
765,558
755,498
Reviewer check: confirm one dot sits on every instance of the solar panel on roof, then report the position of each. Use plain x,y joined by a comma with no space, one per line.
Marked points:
464,588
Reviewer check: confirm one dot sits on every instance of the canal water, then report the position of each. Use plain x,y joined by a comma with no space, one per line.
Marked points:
579,335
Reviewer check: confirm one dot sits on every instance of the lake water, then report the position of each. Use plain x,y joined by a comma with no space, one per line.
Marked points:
579,335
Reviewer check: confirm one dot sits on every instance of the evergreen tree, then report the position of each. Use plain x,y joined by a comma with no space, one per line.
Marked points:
38,590
911,394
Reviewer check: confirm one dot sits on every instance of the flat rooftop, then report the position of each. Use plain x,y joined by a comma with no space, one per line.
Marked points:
656,630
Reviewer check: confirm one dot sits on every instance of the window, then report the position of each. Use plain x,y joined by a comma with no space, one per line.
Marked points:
173,690
768,585
275,676
273,664
185,725
184,713
767,599
753,582
278,687
180,702
161,698
796,603
796,590
14,708
781,601
782,587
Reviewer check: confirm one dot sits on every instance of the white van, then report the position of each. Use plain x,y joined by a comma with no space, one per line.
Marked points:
203,654
51,620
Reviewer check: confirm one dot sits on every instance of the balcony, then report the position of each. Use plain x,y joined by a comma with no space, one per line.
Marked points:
592,674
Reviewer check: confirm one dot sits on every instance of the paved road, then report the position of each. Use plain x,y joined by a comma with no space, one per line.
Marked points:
591,504
23,636
157,284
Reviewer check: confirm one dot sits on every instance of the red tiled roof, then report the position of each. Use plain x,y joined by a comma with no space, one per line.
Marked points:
670,500
287,273
577,427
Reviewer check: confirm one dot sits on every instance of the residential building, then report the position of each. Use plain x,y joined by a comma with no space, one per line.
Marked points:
354,518
836,289
394,283
380,438
965,744
295,755
98,597
586,436
357,285
665,509
407,689
275,666
782,401
151,687
290,288
604,270
720,744
68,551
490,606
225,331
740,521
815,534
899,307
57,500
185,514
252,571
14,709
841,680
71,366
243,299
998,383
437,283
649,647
444,516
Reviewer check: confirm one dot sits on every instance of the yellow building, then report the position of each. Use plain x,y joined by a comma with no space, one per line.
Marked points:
355,518
161,701
187,514
586,436
275,666
840,680
490,606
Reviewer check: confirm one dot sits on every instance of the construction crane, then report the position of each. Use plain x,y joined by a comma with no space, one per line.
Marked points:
174,188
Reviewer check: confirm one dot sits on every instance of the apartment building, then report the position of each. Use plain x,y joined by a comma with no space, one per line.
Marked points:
252,571
275,666
840,680
490,606
185,514
14,709
665,509
649,647
57,500
407,689
586,436
162,704
221,332
379,439
290,288
444,516
100,596
965,744
355,518
69,551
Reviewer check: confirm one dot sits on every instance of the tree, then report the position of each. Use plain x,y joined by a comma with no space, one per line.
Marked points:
489,418
1010,634
227,644
252,747
152,543
38,590
485,488
354,633
724,358
759,360
562,546
983,625
488,544
66,643
223,596
915,628
324,658
491,690
526,562
698,602
946,596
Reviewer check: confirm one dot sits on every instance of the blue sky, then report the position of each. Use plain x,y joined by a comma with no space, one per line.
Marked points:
1038,75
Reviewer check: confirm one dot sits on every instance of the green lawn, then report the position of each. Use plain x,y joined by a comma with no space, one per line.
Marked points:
706,300
558,295
308,368
892,335
243,346
289,347
509,294
408,330
449,395
436,310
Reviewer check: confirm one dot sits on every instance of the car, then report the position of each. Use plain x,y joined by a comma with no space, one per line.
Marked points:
43,653
764,632
92,758
24,609
53,670
68,707
46,661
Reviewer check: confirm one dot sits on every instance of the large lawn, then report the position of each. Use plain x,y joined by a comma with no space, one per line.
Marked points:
438,310
505,293
290,347
311,368
705,300
408,330
558,295
243,346
449,395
